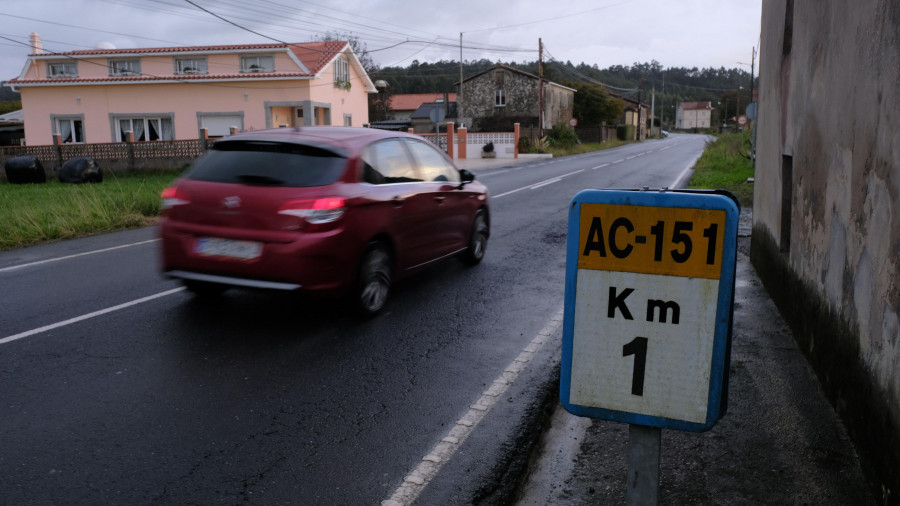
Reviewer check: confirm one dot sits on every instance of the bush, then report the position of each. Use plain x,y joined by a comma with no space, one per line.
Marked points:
625,132
488,148
524,144
562,137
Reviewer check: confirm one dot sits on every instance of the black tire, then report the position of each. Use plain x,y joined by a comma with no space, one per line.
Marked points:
474,252
204,288
373,285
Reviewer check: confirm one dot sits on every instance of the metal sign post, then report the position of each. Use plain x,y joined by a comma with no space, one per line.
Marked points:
437,115
647,326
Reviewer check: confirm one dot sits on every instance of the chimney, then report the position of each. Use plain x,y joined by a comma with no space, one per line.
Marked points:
36,46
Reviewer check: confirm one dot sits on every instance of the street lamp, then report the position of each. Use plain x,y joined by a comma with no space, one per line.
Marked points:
381,110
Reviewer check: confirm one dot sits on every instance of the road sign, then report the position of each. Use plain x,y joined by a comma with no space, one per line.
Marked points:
751,110
742,120
437,114
573,122
648,305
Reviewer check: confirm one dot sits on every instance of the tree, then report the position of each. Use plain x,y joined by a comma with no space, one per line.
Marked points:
594,106
360,48
380,103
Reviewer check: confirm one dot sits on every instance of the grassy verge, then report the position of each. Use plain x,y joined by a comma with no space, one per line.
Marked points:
725,165
33,213
585,148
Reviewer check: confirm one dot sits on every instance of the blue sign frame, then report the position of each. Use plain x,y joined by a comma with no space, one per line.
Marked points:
688,199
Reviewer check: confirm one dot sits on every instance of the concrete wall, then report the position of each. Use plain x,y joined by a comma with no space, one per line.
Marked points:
826,235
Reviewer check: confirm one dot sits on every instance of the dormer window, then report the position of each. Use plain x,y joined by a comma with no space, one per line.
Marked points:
258,63
124,67
342,73
62,69
191,66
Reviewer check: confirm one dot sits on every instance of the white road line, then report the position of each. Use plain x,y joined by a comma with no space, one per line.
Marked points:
537,185
545,183
619,161
416,481
599,166
684,174
81,318
49,260
630,157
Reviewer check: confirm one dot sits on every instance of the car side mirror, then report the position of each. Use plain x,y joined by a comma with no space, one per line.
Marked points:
465,177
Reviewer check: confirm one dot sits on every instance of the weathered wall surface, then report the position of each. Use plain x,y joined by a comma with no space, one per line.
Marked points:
521,95
826,236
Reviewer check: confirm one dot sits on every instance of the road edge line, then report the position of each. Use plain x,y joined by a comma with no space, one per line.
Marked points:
415,482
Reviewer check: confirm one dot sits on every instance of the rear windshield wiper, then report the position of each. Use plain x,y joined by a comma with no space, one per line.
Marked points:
256,179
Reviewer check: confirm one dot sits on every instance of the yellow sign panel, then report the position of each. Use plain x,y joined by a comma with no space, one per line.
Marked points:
670,241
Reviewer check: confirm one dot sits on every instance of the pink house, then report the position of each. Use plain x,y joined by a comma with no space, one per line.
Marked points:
171,93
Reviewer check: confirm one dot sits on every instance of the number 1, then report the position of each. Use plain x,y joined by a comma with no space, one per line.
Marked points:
638,348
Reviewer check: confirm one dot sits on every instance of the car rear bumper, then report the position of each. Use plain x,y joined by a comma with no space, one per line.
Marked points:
309,262
228,280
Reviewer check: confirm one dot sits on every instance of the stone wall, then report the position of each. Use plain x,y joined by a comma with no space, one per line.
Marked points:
826,235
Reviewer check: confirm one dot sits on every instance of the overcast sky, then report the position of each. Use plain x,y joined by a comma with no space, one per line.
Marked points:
676,33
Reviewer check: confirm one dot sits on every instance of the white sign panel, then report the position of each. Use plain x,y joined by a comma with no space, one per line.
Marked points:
649,286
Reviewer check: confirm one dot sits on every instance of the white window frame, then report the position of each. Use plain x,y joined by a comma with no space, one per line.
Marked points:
263,62
69,69
146,121
73,121
341,71
499,98
196,65
125,67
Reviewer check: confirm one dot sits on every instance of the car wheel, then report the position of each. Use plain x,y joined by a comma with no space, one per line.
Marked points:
478,240
374,280
204,288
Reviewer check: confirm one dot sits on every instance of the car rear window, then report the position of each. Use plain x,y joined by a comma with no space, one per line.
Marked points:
268,164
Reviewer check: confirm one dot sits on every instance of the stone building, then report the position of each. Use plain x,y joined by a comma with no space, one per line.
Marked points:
495,99
826,210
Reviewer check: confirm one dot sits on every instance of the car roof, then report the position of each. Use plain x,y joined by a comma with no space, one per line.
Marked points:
352,138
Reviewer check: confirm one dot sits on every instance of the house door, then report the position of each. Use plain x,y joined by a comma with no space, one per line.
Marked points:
322,116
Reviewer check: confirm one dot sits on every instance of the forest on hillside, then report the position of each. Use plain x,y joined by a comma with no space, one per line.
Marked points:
9,100
723,87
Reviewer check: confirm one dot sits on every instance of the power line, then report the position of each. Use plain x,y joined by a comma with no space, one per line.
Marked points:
544,20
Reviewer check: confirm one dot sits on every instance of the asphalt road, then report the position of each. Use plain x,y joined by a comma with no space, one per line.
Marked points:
118,387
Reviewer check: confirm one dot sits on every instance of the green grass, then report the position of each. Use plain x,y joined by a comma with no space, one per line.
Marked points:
725,165
34,213
586,148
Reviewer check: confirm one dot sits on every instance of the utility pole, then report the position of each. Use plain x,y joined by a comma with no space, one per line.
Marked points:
638,135
540,88
652,109
459,96
662,101
752,70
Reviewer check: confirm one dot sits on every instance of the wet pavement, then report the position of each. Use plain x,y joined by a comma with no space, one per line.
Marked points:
779,443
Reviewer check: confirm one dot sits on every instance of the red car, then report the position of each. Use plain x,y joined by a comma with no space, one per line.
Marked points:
320,209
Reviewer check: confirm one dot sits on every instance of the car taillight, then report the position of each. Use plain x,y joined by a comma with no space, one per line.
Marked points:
173,197
315,211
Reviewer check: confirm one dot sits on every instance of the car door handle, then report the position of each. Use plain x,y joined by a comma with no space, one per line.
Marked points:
397,201
440,199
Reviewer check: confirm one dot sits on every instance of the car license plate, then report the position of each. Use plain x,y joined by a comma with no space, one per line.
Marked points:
213,246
